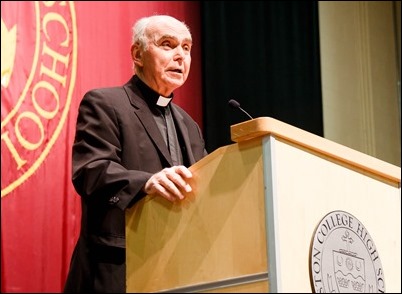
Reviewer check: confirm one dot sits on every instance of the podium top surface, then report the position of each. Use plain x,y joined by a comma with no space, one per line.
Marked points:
263,126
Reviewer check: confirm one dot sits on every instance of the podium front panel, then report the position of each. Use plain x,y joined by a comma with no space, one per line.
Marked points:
214,239
304,186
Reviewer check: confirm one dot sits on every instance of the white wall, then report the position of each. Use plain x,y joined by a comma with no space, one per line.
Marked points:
360,64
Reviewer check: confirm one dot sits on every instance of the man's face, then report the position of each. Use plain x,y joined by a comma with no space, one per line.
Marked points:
166,62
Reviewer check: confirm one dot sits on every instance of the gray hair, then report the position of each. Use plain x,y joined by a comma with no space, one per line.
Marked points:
139,32
139,29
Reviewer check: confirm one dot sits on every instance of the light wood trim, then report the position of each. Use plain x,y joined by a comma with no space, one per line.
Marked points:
262,126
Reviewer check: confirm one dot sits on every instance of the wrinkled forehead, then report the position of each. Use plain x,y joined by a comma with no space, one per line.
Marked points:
168,27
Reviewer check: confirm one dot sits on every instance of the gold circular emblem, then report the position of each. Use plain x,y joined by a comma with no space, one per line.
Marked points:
38,70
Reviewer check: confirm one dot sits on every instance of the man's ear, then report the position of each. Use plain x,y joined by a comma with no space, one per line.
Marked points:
136,54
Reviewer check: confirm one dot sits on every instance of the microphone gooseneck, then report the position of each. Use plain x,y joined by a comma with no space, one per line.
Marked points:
236,104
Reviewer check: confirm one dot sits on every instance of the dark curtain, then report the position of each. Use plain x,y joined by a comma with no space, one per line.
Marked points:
266,56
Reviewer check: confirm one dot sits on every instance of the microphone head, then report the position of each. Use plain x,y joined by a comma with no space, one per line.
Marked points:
234,103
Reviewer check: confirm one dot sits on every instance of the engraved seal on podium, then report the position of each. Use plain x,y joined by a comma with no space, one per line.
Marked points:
343,257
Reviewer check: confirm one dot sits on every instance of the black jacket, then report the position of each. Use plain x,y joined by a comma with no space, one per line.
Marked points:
117,147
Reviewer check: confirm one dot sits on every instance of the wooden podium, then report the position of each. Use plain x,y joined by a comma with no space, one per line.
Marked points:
256,217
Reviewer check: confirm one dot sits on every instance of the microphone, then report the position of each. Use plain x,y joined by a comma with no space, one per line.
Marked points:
236,104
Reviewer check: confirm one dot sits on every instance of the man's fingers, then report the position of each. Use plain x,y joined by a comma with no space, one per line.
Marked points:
172,188
166,193
180,177
184,171
170,182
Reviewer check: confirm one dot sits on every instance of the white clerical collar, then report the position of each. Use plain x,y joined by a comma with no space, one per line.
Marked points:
163,101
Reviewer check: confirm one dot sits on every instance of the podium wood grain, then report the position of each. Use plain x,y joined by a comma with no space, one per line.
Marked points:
253,213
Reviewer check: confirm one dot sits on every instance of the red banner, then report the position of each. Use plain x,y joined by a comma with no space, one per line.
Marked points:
51,54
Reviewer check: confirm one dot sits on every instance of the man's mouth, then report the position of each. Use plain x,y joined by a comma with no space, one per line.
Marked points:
177,70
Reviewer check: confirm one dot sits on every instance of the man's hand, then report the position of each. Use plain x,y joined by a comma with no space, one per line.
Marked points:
170,183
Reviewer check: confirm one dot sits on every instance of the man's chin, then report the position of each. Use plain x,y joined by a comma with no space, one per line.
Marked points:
176,82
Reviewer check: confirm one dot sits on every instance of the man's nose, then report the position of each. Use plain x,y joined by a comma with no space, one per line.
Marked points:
180,53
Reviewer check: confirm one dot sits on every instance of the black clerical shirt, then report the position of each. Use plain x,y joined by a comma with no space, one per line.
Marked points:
161,110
